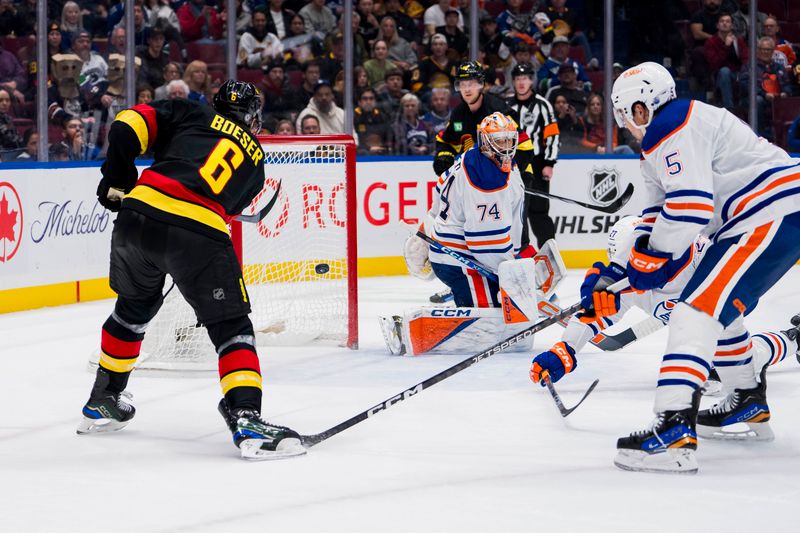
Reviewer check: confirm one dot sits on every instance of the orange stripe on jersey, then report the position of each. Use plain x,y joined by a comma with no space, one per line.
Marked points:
684,369
692,206
778,344
550,130
673,132
729,353
775,184
707,301
483,243
449,244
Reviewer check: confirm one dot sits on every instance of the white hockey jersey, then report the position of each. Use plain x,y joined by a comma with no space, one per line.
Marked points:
705,171
478,211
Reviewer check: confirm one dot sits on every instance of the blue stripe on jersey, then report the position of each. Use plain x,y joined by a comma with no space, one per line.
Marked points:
686,357
487,232
691,220
449,235
732,363
692,384
758,180
689,192
668,119
753,210
492,250
654,209
733,340
646,229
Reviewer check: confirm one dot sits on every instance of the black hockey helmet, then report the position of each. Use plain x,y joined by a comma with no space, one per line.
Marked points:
523,69
470,70
239,101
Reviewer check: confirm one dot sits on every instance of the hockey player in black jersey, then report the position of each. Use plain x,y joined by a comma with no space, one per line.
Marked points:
535,116
208,166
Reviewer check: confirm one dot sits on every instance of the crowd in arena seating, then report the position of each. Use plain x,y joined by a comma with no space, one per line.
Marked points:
405,52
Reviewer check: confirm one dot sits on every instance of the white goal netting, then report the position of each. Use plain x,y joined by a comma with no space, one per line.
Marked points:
298,262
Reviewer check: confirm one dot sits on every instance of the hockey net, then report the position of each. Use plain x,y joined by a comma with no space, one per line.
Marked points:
299,262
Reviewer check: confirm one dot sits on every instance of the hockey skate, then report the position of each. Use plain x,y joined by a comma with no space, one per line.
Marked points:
742,415
258,440
667,446
713,385
392,329
442,296
105,411
794,334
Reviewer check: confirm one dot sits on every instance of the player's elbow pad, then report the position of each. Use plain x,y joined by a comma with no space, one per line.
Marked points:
442,162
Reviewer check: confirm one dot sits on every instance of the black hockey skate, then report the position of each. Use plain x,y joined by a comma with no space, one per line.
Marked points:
258,440
794,334
105,411
742,415
667,446
445,295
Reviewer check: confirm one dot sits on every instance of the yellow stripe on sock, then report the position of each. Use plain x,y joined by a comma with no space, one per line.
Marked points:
116,365
241,378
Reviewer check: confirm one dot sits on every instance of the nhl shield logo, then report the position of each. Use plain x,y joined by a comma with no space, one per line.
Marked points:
604,188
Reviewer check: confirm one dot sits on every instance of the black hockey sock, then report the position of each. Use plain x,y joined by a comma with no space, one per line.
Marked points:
119,346
239,369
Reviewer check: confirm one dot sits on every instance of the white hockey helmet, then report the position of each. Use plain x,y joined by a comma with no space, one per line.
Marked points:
620,237
648,83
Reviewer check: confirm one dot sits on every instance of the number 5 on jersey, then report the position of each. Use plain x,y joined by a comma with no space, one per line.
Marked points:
220,164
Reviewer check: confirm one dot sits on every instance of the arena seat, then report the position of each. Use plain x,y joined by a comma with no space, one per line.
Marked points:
251,75
777,8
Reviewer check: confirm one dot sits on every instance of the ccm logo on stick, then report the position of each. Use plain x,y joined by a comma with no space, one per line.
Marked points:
394,399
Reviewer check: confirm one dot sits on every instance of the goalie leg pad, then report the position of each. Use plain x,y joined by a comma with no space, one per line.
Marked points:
470,288
518,291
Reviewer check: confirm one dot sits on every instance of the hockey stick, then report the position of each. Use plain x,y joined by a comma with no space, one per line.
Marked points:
612,343
312,440
482,270
557,398
613,207
264,211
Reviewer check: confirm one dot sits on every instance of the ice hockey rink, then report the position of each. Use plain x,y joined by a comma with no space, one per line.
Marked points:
484,450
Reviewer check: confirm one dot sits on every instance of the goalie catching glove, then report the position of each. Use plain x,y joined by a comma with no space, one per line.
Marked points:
415,252
557,361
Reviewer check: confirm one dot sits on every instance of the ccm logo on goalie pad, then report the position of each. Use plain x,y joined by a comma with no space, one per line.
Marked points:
394,399
451,312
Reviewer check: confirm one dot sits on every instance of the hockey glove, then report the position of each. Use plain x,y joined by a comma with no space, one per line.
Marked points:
597,279
442,162
415,252
108,196
557,361
651,269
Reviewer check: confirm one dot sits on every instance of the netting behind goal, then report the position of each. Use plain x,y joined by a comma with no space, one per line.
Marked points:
299,262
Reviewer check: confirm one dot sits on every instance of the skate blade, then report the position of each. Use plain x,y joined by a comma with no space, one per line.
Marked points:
672,461
743,431
91,426
390,335
253,450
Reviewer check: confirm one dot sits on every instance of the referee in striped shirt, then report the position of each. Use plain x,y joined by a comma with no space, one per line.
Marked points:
535,116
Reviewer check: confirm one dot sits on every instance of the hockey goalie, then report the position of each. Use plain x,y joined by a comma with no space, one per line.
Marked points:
476,222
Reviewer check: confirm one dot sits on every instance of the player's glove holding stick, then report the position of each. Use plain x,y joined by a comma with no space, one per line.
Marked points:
651,269
595,299
557,361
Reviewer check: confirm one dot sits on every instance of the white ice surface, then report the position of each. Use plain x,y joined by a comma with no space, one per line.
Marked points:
485,450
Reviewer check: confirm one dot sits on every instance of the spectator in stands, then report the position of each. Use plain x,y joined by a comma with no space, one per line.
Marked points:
279,99
141,29
771,82
740,15
491,42
570,88
26,17
436,70
559,55
360,48
94,71
244,17
285,127
333,62
725,55
76,148
435,17
565,22
197,79
571,127
406,27
400,51
411,134
702,26
172,71
199,21
309,125
389,97
116,43
160,13
457,41
522,56
371,122
54,45
9,19
279,19
318,18
784,52
30,142
439,113
330,116
177,89
379,65
144,94
311,75
258,47
9,138
368,25
71,23
154,59
595,138
514,24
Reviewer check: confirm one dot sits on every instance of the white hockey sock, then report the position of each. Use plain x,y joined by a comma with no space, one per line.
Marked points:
770,348
687,360
734,357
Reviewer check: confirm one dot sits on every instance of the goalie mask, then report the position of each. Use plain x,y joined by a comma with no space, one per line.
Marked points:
498,138
240,101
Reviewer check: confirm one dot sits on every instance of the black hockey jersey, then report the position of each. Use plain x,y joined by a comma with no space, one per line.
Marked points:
206,168
535,116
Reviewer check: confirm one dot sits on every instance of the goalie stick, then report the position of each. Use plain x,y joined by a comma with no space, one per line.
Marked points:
613,207
264,211
312,440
